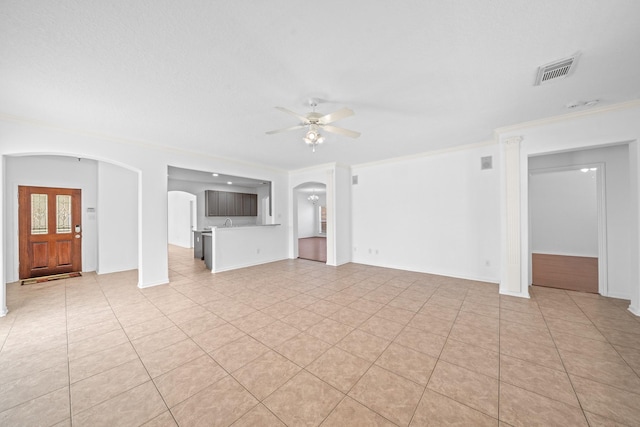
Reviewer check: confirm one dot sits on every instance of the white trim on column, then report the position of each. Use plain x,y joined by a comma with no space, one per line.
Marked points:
331,218
603,255
511,282
634,229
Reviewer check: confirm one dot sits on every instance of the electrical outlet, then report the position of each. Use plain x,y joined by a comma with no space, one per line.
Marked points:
486,163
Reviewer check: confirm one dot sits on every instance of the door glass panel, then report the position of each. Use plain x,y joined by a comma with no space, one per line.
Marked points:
63,214
39,214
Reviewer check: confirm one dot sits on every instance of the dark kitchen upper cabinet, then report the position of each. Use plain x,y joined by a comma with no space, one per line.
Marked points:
224,203
237,205
211,202
249,205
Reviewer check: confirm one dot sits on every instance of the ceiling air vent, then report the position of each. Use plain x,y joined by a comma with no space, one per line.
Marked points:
556,70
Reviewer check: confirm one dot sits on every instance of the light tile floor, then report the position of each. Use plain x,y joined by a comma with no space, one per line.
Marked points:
299,343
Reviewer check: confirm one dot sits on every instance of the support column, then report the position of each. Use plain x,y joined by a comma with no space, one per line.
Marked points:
331,217
511,249
3,265
634,188
153,265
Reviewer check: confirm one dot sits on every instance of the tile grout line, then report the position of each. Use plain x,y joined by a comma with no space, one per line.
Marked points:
304,368
584,415
66,325
198,345
609,342
139,359
335,286
346,395
437,358
603,335
499,353
320,355
260,402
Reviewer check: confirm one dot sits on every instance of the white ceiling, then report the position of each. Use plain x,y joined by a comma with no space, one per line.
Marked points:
205,76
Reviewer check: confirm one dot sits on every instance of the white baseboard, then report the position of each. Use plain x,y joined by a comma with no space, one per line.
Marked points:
454,275
248,264
149,285
515,294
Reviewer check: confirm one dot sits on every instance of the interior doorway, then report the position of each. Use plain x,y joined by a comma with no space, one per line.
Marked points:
181,218
567,227
50,231
310,203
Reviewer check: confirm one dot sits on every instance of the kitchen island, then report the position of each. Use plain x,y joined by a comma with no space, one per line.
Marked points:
229,248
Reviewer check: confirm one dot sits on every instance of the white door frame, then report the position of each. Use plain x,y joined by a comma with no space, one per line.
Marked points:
601,196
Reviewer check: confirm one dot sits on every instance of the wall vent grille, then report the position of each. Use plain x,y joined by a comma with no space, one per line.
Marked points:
556,70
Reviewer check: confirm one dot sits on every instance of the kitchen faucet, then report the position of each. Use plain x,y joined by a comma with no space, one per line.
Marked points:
230,222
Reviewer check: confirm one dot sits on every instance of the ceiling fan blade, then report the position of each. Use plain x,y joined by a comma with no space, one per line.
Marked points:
335,116
341,131
271,132
301,118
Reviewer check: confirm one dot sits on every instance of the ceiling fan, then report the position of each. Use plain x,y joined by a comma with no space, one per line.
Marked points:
315,122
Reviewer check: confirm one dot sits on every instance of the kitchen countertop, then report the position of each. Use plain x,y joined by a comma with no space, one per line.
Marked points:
237,226
245,226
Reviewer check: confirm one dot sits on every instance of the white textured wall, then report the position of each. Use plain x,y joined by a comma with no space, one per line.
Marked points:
342,211
564,213
437,214
306,216
179,227
117,213
240,247
264,199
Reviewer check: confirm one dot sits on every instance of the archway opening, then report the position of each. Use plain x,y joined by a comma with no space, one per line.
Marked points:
310,221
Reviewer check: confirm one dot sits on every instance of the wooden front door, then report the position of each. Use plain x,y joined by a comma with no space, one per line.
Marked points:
50,230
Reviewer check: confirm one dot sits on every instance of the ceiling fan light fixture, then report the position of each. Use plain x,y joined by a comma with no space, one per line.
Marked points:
313,137
315,121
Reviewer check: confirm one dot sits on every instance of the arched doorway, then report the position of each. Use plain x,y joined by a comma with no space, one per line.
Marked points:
181,218
310,221
109,207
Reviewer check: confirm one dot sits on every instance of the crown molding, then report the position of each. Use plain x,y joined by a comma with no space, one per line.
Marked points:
140,143
426,154
322,167
566,117
512,140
